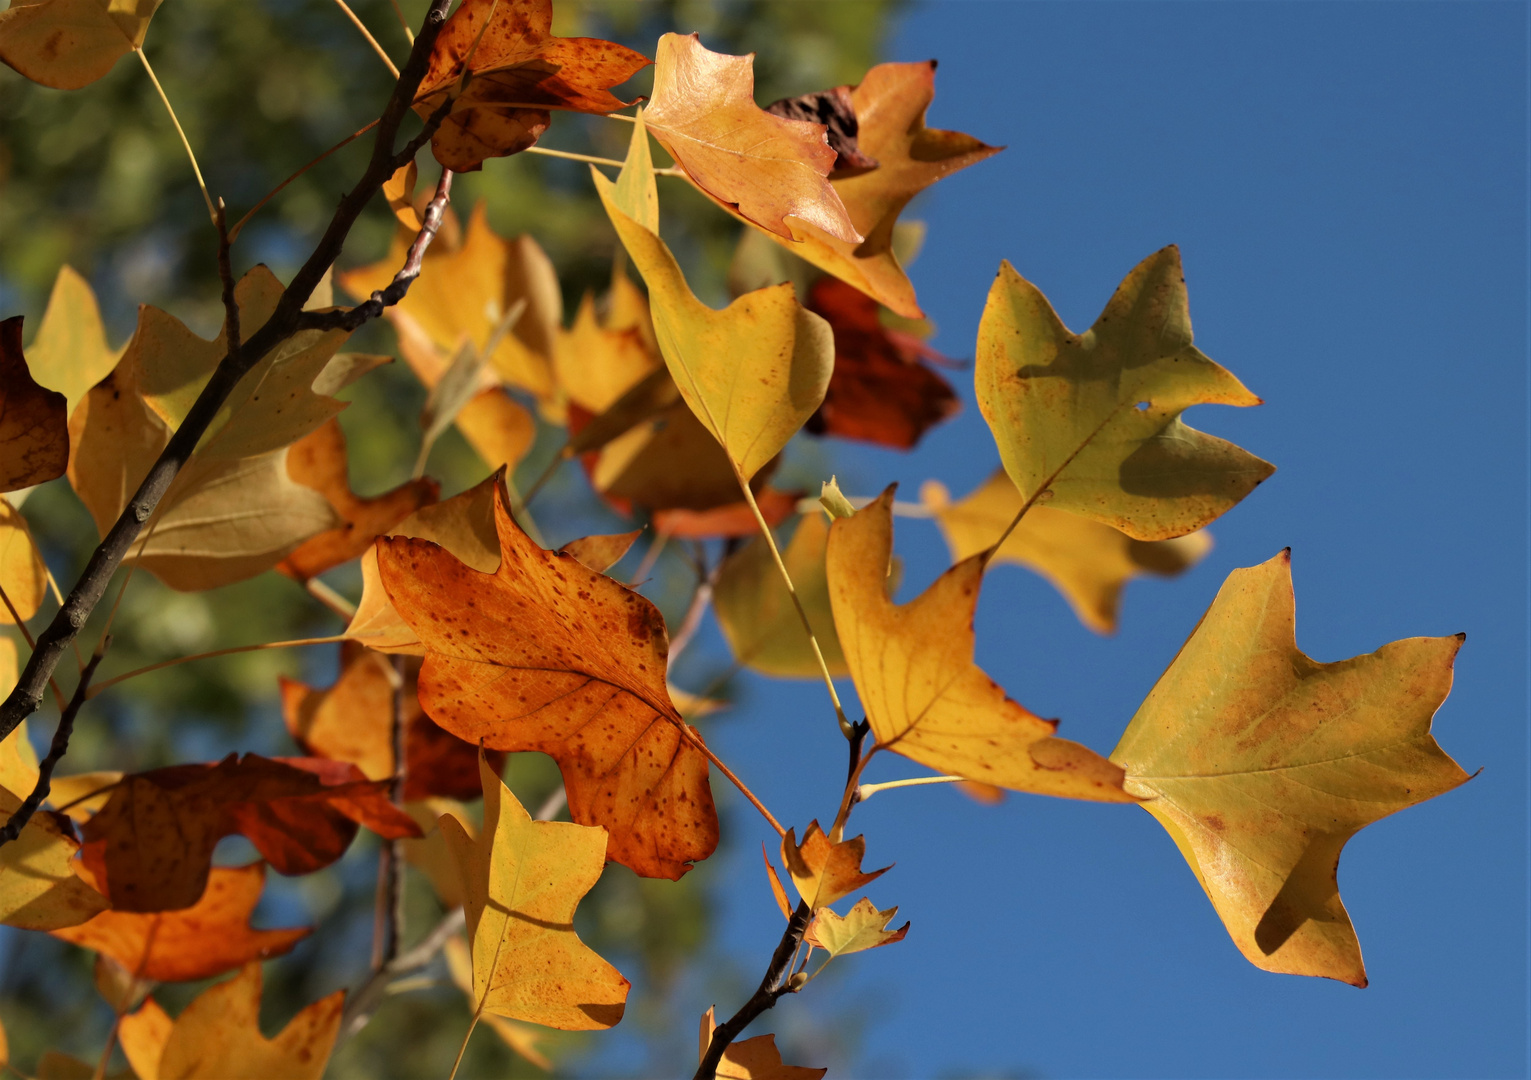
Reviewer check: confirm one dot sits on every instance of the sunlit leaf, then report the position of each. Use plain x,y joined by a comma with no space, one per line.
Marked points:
67,44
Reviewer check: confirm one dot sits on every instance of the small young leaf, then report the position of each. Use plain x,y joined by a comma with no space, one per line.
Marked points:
862,928
824,870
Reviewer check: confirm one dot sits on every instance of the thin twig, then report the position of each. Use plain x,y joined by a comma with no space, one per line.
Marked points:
364,1002
274,192
285,321
361,26
777,982
650,558
391,856
56,751
571,156
330,598
185,142
226,276
115,679
692,620
409,33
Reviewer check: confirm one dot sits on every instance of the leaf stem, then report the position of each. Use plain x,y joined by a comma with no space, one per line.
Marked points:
696,740
802,614
463,1049
330,598
393,68
99,687
866,791
409,33
242,222
570,155
185,142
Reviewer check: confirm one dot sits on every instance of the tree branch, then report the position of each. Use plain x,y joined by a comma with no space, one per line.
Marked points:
56,751
778,981
361,1005
284,322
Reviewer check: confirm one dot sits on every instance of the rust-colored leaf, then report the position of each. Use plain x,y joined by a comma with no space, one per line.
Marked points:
520,71
151,845
212,936
545,654
825,870
733,520
883,389
318,461
762,166
837,112
34,425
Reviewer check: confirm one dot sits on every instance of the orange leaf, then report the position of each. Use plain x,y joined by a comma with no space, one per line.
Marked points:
880,391
212,936
778,890
519,72
734,520
318,461
601,552
151,846
824,870
34,425
545,654
766,167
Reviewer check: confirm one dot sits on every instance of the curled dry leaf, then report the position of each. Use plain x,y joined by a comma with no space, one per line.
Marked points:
522,880
787,351
544,654
318,461
752,1059
763,166
218,1037
519,72
67,44
399,190
1088,562
34,422
924,696
150,847
824,870
778,890
212,936
1104,406
70,353
862,928
464,292
1262,763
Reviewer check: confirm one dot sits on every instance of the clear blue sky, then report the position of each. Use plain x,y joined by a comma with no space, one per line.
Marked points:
1348,186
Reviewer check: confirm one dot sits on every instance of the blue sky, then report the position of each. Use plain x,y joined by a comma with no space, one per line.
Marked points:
1347,183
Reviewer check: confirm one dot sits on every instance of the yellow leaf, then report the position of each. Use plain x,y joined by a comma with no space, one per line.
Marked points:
1088,562
756,612
399,190
862,928
522,1038
80,795
522,880
778,890
428,853
597,360
824,870
218,1037
753,372
768,167
1262,763
924,697
23,575
70,353
465,292
67,44
1098,413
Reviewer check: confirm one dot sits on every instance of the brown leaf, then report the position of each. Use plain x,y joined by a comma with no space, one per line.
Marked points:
834,109
151,846
882,390
34,425
212,936
762,166
318,461
824,870
545,654
600,553
520,71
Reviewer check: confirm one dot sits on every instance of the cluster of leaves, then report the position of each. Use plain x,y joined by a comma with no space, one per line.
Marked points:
472,640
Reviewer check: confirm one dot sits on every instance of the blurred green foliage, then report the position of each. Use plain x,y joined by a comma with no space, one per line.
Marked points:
97,179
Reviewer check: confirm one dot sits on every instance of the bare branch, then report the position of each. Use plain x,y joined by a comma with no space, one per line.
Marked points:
778,981
56,752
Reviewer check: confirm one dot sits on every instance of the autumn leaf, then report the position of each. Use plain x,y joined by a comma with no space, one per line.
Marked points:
752,1059
786,350
778,890
602,551
212,936
670,461
67,44
218,1037
890,105
545,654
23,575
924,697
862,928
756,614
399,190
318,461
150,847
522,1038
882,390
1088,562
353,721
1261,764
837,112
824,870
764,166
733,520
232,511
597,360
34,431
464,292
1095,417
70,353
519,72
522,880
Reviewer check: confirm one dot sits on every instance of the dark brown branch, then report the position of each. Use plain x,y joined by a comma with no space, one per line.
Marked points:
389,918
226,276
778,981
56,750
284,322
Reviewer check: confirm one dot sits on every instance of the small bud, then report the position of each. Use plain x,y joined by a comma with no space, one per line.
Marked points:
834,501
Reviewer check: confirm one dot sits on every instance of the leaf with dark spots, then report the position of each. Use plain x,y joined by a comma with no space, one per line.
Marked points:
517,660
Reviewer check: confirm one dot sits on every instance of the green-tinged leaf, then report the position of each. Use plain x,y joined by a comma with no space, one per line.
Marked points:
862,928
